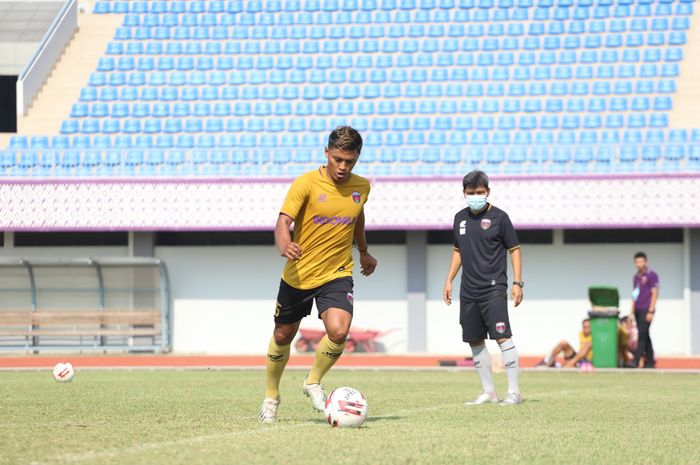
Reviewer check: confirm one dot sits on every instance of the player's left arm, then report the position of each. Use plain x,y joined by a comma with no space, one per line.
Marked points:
516,261
510,242
367,262
652,305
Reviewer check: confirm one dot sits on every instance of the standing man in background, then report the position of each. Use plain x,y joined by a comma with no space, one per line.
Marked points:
483,237
644,296
326,206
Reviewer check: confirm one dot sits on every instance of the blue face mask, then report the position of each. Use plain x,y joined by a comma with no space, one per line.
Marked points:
476,202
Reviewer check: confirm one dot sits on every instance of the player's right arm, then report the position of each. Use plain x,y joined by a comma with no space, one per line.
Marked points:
283,238
455,265
296,198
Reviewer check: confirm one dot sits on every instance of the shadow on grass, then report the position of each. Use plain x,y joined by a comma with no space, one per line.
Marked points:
385,418
371,419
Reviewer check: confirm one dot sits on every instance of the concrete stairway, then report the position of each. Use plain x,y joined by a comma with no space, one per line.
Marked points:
62,88
686,100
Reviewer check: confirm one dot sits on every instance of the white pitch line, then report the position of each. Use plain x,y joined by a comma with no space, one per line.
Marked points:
116,452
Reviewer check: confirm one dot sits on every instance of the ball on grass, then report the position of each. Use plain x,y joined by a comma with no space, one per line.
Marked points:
63,372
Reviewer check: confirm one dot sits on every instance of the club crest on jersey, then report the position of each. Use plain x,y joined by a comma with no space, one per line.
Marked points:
485,224
501,327
350,298
356,197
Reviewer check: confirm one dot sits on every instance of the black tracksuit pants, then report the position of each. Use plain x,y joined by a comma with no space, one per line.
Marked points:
644,346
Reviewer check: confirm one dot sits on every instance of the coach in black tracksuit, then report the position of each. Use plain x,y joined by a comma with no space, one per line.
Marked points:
483,237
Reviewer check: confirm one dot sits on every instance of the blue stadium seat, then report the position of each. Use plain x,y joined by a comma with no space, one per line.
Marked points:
658,120
629,154
636,121
527,122
678,136
588,137
69,127
614,121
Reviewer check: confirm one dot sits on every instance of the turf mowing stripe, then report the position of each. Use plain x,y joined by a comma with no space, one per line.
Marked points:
115,453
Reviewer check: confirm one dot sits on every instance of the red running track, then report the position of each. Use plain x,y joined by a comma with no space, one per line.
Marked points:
353,360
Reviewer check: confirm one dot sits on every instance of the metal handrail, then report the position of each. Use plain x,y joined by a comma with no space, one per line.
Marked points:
46,39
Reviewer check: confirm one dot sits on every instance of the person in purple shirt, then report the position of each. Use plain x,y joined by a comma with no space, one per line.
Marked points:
644,296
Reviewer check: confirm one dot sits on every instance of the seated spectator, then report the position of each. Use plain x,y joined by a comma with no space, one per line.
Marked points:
627,342
572,358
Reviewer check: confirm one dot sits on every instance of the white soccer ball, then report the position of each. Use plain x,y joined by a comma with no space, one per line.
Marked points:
346,407
63,372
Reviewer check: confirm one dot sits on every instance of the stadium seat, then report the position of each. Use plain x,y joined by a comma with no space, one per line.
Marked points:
433,71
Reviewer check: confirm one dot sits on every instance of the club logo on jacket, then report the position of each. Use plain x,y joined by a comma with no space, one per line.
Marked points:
485,224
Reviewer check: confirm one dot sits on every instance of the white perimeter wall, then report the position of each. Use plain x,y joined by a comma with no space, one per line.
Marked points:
224,296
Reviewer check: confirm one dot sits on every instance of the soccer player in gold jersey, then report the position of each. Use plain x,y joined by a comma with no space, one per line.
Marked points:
326,206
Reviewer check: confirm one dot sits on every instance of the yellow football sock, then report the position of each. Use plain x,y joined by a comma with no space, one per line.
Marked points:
327,353
277,358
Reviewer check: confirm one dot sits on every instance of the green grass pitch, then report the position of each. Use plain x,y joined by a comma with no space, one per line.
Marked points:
416,417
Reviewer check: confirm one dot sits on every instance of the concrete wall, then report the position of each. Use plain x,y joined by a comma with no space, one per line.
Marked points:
224,296
239,285
557,278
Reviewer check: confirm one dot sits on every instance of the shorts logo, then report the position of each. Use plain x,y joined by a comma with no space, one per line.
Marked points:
356,197
485,224
501,327
278,307
350,298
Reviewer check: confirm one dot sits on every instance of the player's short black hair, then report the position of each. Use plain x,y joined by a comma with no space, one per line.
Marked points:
345,138
475,179
640,255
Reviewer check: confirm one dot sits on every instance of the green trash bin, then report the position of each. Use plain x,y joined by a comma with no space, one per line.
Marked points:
604,316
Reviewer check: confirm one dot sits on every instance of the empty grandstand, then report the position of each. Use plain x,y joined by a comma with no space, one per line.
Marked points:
438,87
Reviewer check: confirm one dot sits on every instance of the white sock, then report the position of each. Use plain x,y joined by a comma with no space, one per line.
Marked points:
482,363
510,363
548,360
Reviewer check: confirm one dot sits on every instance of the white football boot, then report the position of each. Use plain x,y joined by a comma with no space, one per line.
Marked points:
484,398
268,410
512,398
316,394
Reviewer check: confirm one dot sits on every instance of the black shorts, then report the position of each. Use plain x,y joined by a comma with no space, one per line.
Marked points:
294,304
487,316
